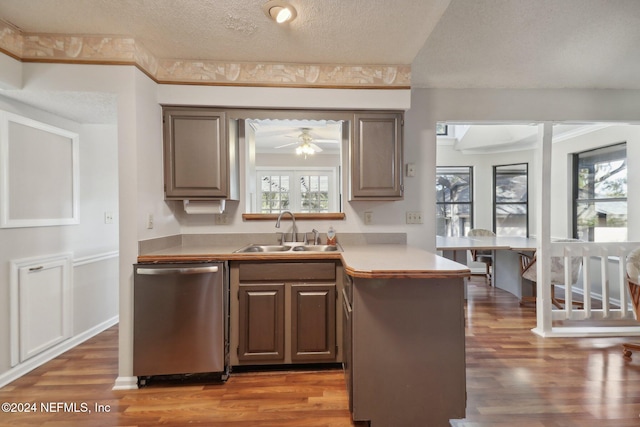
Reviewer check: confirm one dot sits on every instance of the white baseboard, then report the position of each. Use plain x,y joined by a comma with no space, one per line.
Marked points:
126,383
47,355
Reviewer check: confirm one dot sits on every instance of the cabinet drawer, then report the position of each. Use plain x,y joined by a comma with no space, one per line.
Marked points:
295,271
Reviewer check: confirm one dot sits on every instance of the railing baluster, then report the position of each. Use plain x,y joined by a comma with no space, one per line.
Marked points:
586,280
568,282
604,282
622,281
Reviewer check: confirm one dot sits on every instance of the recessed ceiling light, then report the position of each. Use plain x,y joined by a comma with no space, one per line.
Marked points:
279,11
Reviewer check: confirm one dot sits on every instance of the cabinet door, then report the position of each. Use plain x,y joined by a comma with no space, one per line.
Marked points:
195,154
40,304
261,322
313,322
376,162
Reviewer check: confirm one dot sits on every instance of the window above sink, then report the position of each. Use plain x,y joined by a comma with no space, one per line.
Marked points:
293,165
294,161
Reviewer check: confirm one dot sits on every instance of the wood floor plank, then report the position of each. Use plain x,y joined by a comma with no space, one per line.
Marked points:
514,378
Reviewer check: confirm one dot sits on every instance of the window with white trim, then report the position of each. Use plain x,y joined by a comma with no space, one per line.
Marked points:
454,200
600,194
511,200
307,190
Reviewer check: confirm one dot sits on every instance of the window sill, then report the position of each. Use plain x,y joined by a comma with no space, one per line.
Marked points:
299,216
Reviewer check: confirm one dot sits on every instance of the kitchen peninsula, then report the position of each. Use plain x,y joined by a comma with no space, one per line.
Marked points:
402,322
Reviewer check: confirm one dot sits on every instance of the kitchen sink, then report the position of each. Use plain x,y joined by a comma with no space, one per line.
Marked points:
254,248
315,248
264,248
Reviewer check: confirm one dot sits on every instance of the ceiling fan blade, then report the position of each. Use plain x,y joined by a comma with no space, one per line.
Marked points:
286,145
315,147
327,141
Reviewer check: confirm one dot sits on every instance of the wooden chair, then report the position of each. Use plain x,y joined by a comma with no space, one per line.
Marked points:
528,271
633,271
485,257
528,261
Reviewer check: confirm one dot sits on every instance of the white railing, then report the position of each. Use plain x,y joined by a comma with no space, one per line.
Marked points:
597,303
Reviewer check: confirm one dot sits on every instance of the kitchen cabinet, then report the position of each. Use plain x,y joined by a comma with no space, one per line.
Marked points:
404,350
200,155
261,322
376,156
284,312
313,322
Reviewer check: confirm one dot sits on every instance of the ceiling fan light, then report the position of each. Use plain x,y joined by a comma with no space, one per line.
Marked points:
279,11
283,15
305,149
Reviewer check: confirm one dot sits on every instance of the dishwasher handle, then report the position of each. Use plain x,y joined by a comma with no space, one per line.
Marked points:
185,270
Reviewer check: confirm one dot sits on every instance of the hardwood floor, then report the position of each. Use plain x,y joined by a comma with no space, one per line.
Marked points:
514,378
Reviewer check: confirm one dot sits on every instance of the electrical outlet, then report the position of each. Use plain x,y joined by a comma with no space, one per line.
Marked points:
414,217
368,217
150,221
221,219
108,217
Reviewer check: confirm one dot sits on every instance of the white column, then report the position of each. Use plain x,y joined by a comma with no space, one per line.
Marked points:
543,228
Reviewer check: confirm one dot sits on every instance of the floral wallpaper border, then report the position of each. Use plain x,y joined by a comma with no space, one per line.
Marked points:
125,50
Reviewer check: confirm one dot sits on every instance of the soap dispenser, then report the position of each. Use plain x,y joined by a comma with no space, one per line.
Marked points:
331,236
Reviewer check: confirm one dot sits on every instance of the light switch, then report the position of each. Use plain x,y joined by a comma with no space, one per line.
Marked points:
411,169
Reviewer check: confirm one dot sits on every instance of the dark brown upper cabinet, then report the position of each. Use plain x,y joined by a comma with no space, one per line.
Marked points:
200,155
376,157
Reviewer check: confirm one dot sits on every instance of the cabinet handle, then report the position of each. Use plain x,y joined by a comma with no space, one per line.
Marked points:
36,268
345,302
188,270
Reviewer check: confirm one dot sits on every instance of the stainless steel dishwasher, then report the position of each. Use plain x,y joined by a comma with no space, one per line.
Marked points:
180,319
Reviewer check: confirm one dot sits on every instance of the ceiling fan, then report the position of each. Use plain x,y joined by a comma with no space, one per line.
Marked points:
307,143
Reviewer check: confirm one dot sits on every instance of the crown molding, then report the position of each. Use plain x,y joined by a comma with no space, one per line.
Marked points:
119,50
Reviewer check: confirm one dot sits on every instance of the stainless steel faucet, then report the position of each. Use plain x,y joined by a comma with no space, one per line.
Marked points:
294,232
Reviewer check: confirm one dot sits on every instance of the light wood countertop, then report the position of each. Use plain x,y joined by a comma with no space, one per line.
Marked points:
379,261
398,261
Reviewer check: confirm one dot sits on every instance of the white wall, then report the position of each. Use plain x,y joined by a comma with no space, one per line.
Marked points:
92,242
317,160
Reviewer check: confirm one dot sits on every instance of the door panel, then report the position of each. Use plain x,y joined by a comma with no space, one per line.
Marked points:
313,315
261,322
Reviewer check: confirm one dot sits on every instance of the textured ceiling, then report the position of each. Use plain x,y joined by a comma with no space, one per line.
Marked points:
326,31
533,44
449,44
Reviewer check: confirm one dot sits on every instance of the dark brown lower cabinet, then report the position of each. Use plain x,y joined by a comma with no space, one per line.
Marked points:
261,322
285,313
313,322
